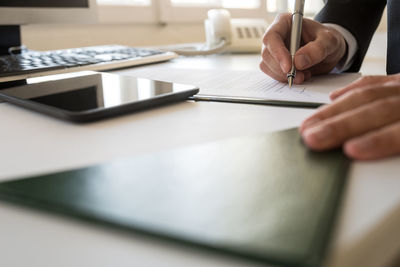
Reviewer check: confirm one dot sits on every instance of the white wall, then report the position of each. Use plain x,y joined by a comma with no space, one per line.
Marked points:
46,37
56,36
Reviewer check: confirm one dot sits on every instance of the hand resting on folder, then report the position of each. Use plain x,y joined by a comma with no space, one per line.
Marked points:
364,116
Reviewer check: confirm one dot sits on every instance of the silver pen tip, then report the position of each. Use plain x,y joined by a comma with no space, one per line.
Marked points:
290,81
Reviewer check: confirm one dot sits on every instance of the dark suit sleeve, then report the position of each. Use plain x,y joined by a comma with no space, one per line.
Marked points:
360,17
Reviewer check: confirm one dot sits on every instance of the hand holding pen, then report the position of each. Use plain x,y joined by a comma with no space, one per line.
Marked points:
323,48
295,37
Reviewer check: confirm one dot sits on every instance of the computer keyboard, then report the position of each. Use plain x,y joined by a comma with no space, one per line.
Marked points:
34,63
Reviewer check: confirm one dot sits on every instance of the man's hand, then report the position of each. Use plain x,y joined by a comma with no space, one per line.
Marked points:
323,48
364,118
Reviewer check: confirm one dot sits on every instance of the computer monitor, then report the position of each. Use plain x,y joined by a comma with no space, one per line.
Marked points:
47,11
18,12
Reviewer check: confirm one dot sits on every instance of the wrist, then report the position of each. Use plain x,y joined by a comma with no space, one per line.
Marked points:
345,54
342,48
350,47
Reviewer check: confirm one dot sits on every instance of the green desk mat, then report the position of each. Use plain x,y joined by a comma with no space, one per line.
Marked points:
264,197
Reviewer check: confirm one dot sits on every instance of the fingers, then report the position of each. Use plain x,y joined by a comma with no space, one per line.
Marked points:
362,82
275,54
375,145
277,60
334,131
323,50
299,79
276,48
272,67
365,120
352,100
319,50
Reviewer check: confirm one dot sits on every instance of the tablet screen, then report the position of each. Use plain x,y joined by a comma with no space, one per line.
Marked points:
90,90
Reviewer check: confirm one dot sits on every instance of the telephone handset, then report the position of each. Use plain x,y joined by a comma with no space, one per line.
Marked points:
230,35
218,28
239,35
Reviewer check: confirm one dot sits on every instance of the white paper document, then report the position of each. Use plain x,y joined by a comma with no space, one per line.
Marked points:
249,85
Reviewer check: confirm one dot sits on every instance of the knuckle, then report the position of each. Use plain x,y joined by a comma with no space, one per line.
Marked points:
269,46
283,16
339,129
320,50
395,77
263,67
367,79
266,37
385,103
330,37
391,102
387,107
275,51
264,53
396,100
272,49
391,80
365,95
267,58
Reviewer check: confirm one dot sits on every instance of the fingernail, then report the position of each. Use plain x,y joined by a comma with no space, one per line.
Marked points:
361,145
317,136
284,67
302,61
334,93
307,123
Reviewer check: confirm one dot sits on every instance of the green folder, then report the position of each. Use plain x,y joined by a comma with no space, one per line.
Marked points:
264,197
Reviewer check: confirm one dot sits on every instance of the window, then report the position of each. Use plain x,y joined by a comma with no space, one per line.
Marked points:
196,10
165,11
124,2
219,3
310,9
125,11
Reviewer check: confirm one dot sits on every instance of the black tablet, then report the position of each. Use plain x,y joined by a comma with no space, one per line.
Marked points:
88,96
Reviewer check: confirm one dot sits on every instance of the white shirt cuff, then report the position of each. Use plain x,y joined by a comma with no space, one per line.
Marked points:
352,47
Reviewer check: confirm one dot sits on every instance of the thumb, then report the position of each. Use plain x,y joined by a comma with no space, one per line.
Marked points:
314,53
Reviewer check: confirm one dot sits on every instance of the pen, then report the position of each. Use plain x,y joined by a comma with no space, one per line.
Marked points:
295,36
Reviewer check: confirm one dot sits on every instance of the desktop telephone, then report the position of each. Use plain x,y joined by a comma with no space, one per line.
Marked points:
240,35
230,35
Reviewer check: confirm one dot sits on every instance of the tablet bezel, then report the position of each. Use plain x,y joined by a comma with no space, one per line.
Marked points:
98,113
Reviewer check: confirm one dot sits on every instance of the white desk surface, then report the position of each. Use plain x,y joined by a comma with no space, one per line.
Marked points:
32,143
